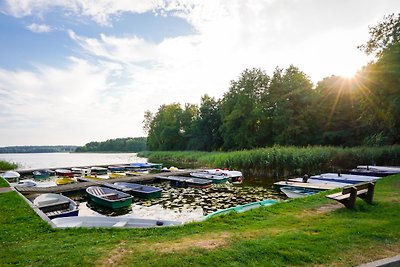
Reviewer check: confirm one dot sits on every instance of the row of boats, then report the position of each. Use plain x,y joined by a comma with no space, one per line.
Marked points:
72,175
305,186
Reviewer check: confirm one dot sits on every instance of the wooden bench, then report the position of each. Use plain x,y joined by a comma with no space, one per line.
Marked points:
349,194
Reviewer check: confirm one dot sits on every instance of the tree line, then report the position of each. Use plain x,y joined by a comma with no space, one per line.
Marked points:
285,108
130,144
37,149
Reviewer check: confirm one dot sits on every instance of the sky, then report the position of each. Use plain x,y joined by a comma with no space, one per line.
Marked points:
77,71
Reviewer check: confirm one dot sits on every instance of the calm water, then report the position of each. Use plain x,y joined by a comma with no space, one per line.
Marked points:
54,160
184,204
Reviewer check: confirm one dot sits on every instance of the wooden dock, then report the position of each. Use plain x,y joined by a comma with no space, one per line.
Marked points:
83,185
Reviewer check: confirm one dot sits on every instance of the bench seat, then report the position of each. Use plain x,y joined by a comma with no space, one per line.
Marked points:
349,194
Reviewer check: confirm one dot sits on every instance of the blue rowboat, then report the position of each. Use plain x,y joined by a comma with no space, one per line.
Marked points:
144,165
56,205
108,197
139,190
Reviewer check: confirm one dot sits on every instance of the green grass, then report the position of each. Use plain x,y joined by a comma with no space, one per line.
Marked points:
3,183
279,161
5,166
301,232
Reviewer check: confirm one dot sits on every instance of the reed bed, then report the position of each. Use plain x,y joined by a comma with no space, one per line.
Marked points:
282,161
5,166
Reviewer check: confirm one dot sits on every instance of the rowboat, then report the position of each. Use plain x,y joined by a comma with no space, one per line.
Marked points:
114,222
139,190
216,179
109,197
64,180
243,208
234,177
380,171
117,175
11,176
64,173
318,186
98,170
56,205
296,192
42,174
25,183
116,168
344,178
144,165
181,181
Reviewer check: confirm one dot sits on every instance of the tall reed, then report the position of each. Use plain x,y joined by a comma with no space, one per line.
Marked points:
4,165
282,161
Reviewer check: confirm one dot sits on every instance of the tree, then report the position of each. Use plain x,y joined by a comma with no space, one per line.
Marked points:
339,111
206,135
383,36
290,107
380,81
241,110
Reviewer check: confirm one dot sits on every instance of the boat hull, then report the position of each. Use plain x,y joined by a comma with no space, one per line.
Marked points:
112,205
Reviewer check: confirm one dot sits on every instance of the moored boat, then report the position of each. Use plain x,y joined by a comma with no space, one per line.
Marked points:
116,168
181,181
26,183
114,222
42,174
109,197
11,176
139,190
243,208
64,173
144,165
234,177
64,180
98,170
296,192
56,205
216,179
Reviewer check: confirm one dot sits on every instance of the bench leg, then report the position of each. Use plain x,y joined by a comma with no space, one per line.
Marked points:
368,197
350,203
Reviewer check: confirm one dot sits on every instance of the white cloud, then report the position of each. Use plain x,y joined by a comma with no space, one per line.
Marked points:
39,28
99,11
72,105
106,95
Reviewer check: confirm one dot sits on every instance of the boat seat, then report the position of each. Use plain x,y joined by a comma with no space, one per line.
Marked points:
110,196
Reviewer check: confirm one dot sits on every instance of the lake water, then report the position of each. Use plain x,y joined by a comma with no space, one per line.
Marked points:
183,204
55,160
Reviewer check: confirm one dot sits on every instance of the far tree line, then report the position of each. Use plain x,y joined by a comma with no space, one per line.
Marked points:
285,108
130,144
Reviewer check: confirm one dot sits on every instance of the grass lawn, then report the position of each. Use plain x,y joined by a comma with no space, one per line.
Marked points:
313,231
3,183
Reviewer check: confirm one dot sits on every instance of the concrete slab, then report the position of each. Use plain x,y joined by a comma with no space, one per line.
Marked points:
388,262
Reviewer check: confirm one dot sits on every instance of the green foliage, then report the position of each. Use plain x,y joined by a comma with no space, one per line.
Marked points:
383,35
300,232
129,144
279,161
285,109
242,111
5,166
